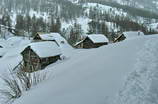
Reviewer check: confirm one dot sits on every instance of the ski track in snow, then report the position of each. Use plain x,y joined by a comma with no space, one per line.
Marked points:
141,85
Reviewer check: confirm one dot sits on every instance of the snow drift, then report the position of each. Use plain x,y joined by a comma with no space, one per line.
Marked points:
92,76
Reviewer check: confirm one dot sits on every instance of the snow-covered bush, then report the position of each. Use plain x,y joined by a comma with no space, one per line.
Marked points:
18,82
11,91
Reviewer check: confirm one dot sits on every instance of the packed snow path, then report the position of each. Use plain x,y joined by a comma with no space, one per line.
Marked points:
141,86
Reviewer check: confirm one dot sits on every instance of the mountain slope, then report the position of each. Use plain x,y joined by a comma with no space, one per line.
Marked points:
90,76
144,4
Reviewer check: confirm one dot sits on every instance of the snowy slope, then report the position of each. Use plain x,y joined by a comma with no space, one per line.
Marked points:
92,76
141,84
144,4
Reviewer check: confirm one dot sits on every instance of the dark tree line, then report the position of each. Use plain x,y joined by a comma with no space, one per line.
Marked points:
59,8
131,9
121,22
32,25
75,34
6,20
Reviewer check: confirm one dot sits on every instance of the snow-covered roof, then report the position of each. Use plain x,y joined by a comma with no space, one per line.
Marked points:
98,38
46,36
45,49
132,34
58,38
50,36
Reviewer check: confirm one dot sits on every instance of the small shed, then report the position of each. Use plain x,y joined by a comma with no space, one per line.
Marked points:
38,55
92,41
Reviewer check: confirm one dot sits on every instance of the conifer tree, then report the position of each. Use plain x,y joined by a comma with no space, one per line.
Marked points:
34,26
58,25
19,22
52,25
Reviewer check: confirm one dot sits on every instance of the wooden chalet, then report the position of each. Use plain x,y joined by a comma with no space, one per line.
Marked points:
38,55
92,41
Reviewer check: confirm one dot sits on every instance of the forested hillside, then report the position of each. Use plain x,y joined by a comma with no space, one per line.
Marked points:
73,18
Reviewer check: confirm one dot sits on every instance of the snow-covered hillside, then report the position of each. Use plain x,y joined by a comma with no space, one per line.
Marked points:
44,12
93,76
103,8
144,4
